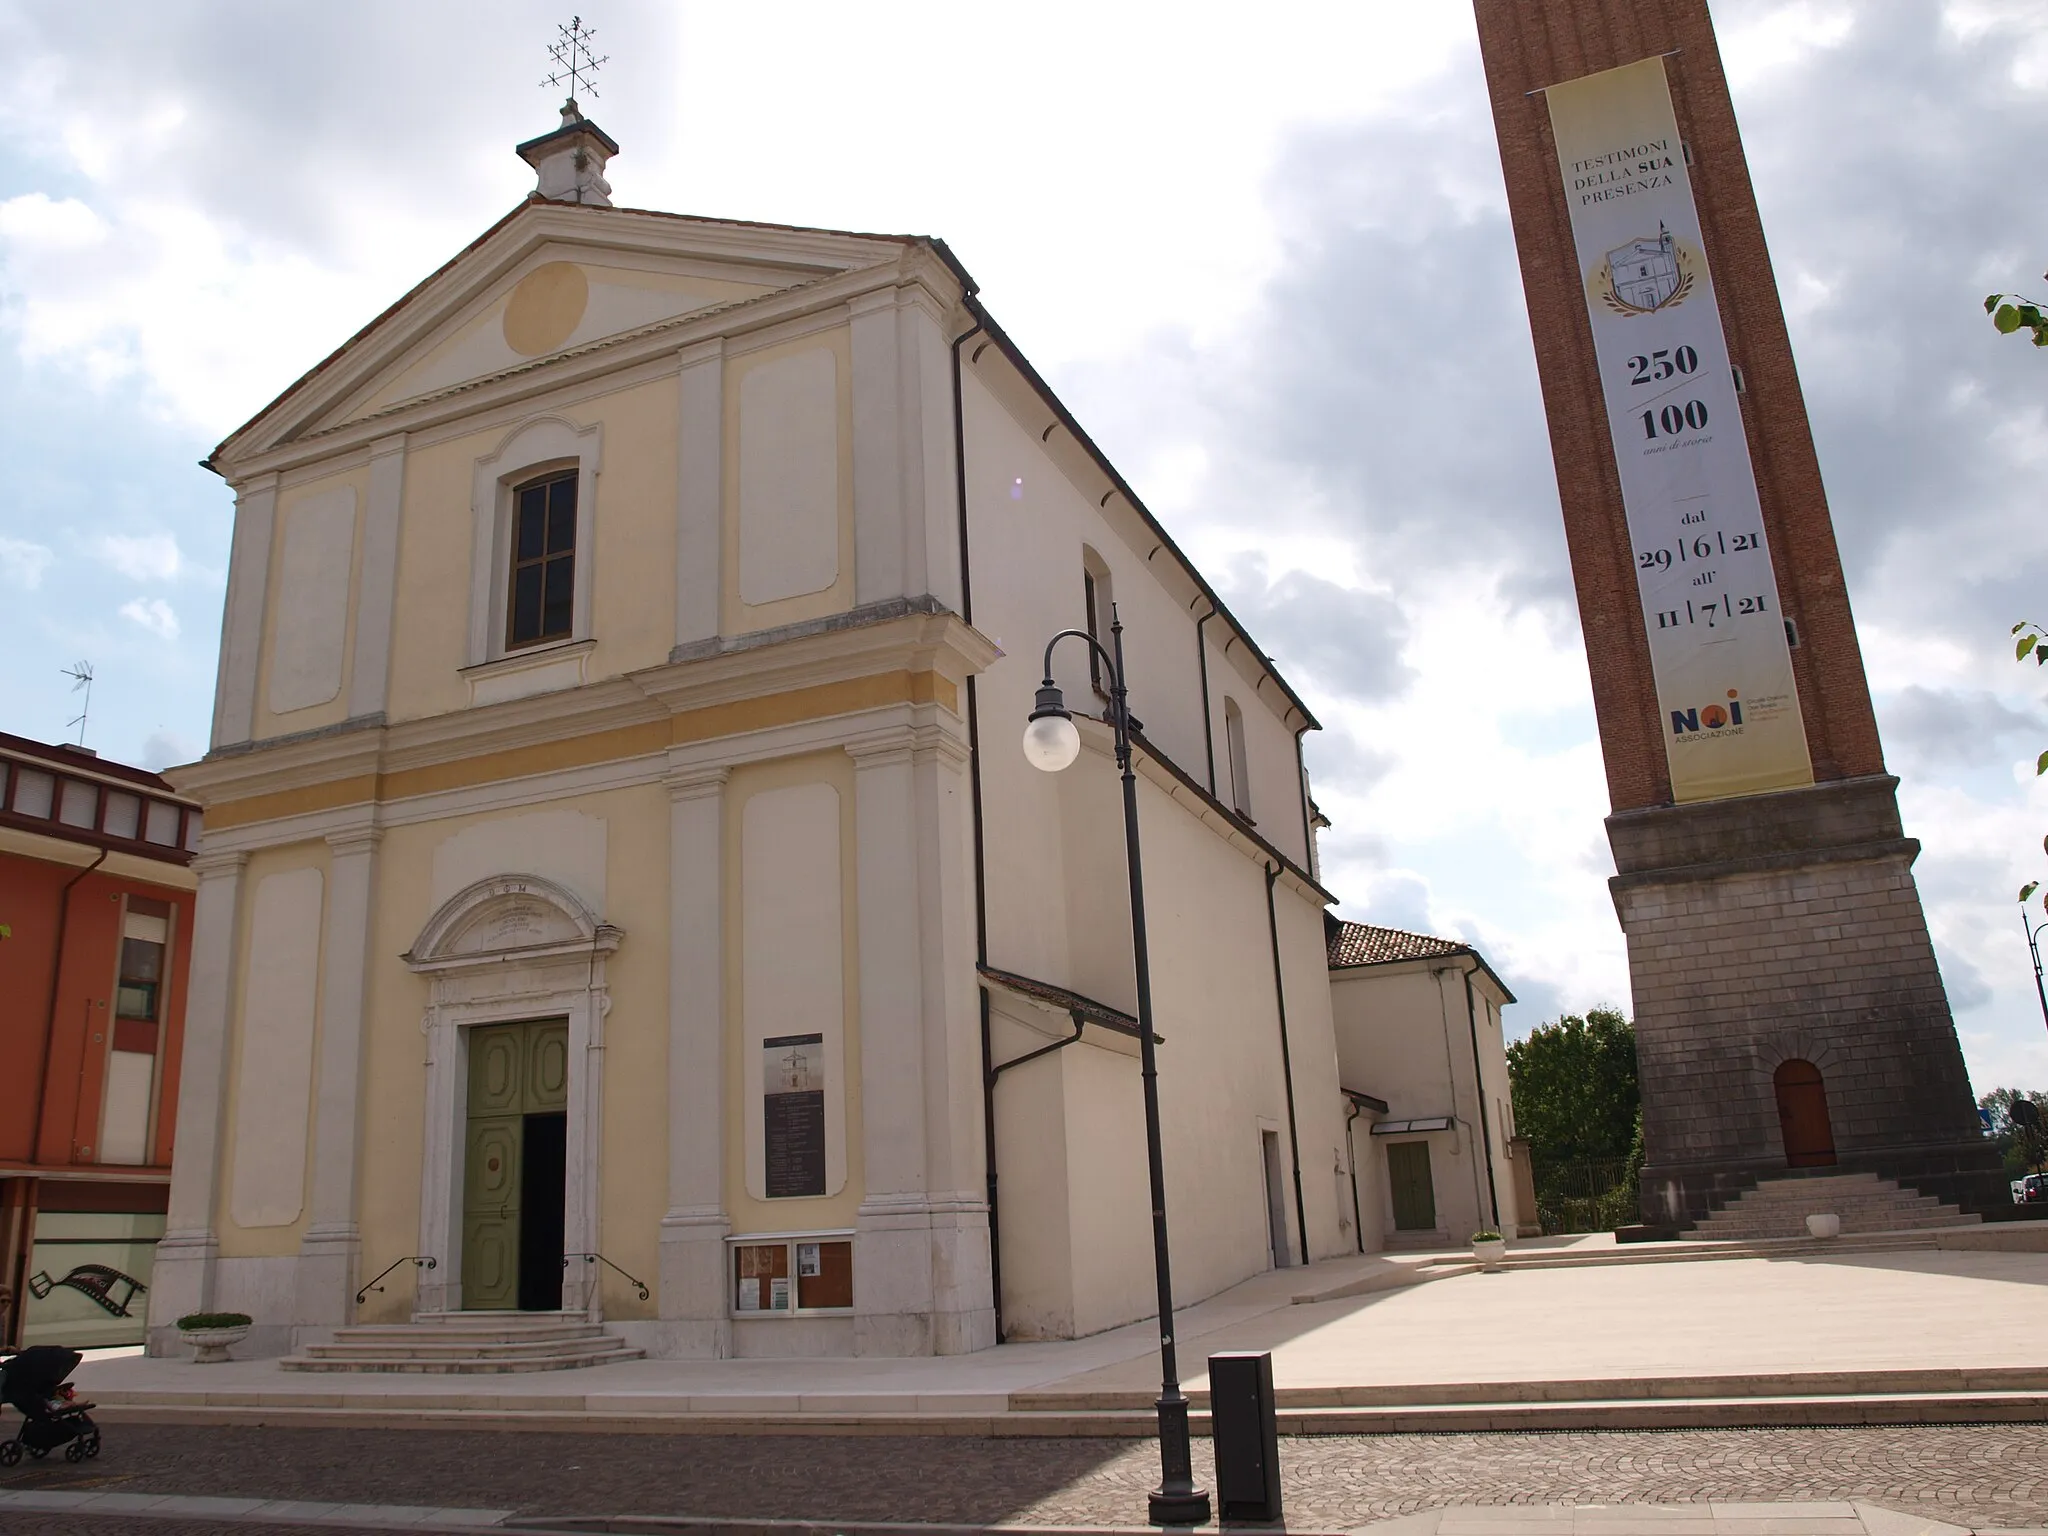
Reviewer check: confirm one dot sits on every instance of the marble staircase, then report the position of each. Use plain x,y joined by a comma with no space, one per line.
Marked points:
1866,1204
467,1344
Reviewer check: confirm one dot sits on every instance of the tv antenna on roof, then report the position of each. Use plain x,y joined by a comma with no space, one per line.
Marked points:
80,673
578,63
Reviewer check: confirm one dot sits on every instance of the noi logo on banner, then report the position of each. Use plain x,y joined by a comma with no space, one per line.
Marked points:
1710,717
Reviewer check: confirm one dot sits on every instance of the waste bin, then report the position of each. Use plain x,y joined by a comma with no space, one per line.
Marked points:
1247,1436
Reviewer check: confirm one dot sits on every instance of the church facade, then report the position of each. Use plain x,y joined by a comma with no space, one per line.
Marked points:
621,873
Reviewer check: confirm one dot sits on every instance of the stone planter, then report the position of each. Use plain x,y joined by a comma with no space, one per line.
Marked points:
1491,1254
210,1345
1824,1226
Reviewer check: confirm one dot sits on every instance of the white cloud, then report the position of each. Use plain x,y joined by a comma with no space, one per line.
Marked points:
161,749
22,564
153,614
142,556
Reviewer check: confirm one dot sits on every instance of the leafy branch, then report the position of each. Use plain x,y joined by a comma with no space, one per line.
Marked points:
2011,312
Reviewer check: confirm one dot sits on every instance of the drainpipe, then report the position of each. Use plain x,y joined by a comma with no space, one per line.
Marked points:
1308,840
1286,1059
35,1149
1209,725
1479,1087
988,1067
1351,1156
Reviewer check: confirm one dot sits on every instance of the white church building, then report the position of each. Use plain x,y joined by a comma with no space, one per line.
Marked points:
623,892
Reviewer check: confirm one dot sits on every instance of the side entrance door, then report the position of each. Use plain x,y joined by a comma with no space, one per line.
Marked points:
1414,1195
513,1166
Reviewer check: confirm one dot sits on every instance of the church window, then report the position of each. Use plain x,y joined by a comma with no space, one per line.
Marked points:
541,602
1240,773
1097,598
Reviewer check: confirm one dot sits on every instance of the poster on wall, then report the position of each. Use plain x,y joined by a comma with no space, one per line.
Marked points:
1719,648
793,1114
88,1278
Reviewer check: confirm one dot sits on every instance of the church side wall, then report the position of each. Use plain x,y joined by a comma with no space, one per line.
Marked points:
1058,910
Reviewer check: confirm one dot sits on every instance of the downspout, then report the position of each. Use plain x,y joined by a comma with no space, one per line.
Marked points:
1308,839
1351,1156
1479,1087
1286,1058
988,1066
35,1148
1437,973
1208,724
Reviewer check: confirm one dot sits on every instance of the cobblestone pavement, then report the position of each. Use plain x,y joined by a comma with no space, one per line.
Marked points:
1988,1475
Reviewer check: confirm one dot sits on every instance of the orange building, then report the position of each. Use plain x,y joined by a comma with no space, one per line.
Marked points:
96,913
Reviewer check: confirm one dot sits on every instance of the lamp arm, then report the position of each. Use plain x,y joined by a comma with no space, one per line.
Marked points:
1094,644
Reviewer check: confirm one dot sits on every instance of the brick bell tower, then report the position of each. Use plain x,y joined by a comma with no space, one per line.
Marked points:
1790,1017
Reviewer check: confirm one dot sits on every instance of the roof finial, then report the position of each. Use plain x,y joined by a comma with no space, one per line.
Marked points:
578,65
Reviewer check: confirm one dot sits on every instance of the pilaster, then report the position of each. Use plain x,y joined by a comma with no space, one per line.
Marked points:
183,1275
331,1250
904,504
241,640
692,1292
921,1262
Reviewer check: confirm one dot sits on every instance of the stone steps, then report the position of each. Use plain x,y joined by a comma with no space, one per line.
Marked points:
467,1344
1866,1204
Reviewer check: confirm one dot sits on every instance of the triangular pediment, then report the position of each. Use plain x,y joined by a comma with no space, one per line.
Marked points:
549,281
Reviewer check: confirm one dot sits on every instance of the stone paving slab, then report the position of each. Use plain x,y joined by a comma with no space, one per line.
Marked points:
1922,1320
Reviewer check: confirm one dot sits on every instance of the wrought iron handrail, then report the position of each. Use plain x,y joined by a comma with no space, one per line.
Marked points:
418,1261
598,1258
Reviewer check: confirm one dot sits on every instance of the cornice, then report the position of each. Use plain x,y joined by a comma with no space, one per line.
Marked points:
915,641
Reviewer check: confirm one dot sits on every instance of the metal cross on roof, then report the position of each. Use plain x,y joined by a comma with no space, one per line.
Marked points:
578,63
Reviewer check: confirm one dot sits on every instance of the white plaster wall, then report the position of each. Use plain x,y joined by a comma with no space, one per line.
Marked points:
565,846
792,962
313,600
1402,1034
124,1119
273,1091
1032,1193
789,477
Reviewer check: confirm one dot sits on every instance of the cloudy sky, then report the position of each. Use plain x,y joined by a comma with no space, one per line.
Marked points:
1266,260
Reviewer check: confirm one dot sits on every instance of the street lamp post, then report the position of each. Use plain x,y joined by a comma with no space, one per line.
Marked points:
2034,948
1051,742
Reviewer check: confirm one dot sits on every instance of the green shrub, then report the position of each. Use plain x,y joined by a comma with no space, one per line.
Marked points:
193,1321
1486,1237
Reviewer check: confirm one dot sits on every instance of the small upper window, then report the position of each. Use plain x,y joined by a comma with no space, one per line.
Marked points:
1240,773
1096,594
542,599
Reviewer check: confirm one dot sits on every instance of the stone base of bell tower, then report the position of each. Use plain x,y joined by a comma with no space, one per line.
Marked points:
1778,928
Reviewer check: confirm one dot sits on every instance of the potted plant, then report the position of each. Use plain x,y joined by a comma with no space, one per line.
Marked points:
210,1334
1489,1248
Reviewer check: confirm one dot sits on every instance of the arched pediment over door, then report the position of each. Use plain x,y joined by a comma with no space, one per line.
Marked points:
506,949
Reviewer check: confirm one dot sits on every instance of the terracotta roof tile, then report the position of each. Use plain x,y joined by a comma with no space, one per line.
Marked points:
1364,944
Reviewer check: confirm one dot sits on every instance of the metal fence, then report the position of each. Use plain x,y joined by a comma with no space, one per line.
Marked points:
1591,1195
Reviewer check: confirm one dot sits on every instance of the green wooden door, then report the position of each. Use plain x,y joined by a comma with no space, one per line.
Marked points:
514,1070
1414,1196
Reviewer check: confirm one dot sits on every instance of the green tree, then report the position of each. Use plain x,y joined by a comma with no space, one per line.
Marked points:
2023,1139
1575,1087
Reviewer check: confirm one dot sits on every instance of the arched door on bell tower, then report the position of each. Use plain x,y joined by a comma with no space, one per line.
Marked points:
1803,1115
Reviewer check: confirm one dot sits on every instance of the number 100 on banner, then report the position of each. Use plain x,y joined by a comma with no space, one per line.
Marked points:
1728,708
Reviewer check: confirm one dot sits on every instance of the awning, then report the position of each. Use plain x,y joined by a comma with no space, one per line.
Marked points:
1403,1127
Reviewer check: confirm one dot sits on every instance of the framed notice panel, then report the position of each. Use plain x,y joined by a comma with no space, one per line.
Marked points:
793,1114
1718,644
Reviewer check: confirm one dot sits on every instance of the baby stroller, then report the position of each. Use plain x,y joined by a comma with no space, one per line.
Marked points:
33,1382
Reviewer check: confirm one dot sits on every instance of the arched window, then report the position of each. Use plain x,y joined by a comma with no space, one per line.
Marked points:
541,601
1098,596
1803,1115
1240,773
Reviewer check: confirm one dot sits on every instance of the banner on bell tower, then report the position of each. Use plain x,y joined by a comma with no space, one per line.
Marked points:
1718,643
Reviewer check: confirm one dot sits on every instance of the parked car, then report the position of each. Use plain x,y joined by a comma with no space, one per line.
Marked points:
2031,1189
